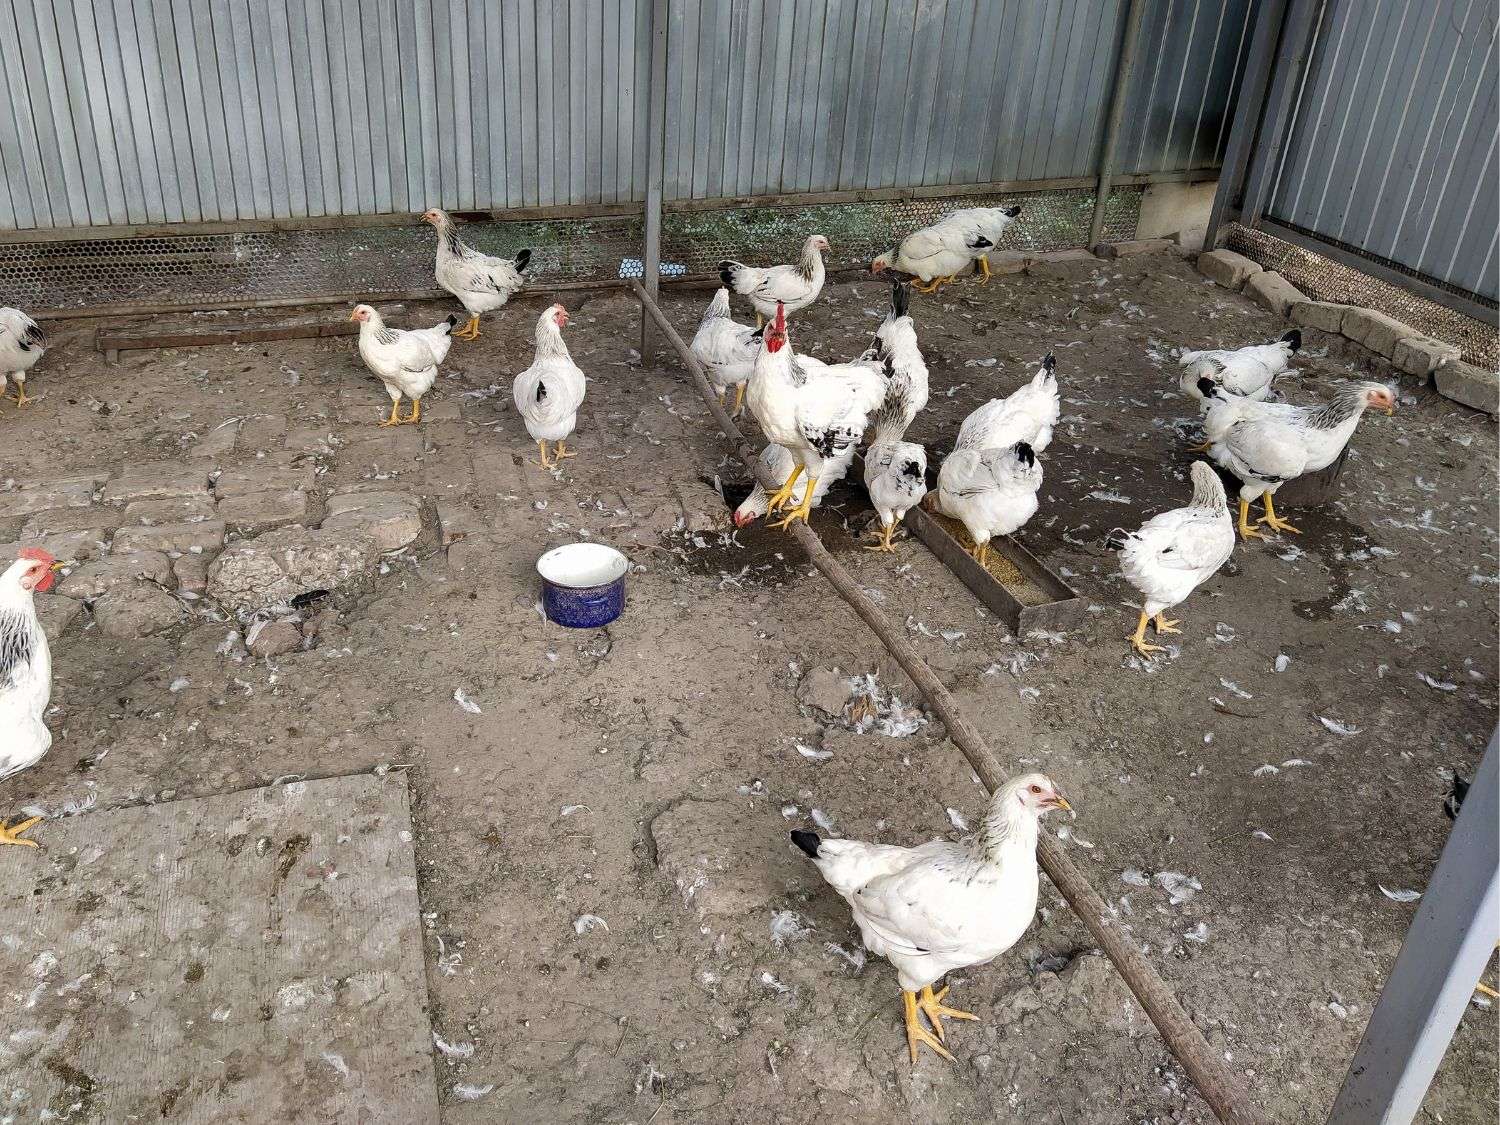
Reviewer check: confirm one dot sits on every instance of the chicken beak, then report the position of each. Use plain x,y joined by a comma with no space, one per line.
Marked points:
1390,408
354,315
1058,801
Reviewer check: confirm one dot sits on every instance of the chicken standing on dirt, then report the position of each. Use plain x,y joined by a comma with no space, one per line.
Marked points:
1176,552
22,343
726,349
934,255
895,349
989,222
795,286
1246,372
549,392
481,282
815,409
896,479
405,361
1266,444
943,906
25,673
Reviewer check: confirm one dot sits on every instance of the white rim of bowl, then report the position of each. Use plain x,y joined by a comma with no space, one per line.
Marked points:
581,566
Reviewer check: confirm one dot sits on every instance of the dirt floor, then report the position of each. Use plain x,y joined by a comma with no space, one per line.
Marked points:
601,841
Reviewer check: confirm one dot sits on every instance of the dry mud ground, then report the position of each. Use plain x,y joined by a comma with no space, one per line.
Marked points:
647,774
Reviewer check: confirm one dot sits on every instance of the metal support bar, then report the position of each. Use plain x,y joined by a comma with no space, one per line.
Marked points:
1219,1086
1445,951
1124,77
1286,81
655,164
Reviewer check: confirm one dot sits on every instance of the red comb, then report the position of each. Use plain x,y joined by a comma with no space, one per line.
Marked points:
780,317
37,554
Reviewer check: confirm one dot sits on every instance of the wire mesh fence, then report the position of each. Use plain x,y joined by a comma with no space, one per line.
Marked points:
224,269
1323,279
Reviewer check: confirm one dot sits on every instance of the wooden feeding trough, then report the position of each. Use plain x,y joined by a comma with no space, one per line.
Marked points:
1016,587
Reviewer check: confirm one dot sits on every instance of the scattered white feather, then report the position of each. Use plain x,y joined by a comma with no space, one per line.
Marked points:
1179,887
1399,895
1198,933
773,984
179,684
1337,727
1264,770
787,927
856,959
466,703
814,755
452,1050
465,1092
587,923
1135,877
337,1062
1282,662
820,818
1436,685
956,819
1234,688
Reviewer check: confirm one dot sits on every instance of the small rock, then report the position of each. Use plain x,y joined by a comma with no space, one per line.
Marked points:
263,478
94,579
56,614
156,479
1470,385
1375,330
67,545
170,509
272,638
279,565
72,519
192,572
1226,268
172,538
217,442
255,512
1134,247
261,432
825,690
137,609
1326,316
395,448
1271,291
1422,355
393,519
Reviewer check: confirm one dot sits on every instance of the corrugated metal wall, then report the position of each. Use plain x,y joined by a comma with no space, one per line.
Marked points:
120,112
1392,144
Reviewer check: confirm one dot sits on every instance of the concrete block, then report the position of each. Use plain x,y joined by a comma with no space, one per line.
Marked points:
1270,290
155,480
80,545
217,441
258,511
1226,268
1326,316
263,431
202,537
71,492
1008,261
1060,263
1470,385
170,509
1375,330
1422,355
263,478
441,412
392,519
72,519
456,521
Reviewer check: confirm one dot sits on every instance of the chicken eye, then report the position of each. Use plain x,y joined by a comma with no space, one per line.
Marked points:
1036,788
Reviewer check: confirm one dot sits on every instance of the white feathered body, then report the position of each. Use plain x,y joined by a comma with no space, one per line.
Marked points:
815,409
481,282
990,222
1028,414
1174,553
549,392
990,491
895,348
1266,444
795,285
1246,372
22,343
404,360
25,678
896,478
726,349
940,250
779,461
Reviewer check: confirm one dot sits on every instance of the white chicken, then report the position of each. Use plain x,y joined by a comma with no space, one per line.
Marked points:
22,343
895,349
990,491
795,286
726,349
934,254
1029,414
943,906
549,392
780,462
1266,444
481,282
1247,372
896,479
815,409
989,222
1174,553
25,673
404,360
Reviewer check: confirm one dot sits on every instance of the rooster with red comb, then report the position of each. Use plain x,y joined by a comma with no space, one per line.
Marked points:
25,672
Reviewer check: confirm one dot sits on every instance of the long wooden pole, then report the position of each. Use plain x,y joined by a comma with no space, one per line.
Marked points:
1220,1088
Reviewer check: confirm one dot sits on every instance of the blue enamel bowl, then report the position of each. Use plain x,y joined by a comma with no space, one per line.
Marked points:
583,584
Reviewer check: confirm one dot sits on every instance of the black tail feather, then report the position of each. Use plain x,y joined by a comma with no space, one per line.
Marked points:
1207,387
900,299
452,321
1049,362
808,842
726,274
1013,211
1115,540
1025,454
1294,337
522,259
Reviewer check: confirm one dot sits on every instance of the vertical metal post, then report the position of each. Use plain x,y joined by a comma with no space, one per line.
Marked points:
1444,953
1286,82
655,164
1119,94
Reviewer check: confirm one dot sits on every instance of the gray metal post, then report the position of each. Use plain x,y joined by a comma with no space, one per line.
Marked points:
655,164
1444,953
1124,76
1286,83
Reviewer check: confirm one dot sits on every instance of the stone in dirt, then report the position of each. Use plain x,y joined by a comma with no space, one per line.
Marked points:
136,609
68,546
394,519
192,572
56,614
1422,355
1060,263
72,519
279,565
206,536
263,431
260,511
825,690
309,439
701,846
1134,247
456,521
1470,385
1326,316
1226,268
441,412
170,509
156,479
1270,290
273,638
96,578
391,448
263,478
217,441
1375,330
70,492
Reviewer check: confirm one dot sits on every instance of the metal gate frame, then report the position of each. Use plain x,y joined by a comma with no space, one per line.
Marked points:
1279,55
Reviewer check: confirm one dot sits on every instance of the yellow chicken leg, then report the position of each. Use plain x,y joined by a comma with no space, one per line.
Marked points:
546,464
1165,626
416,412
803,510
783,494
1200,447
1246,531
916,1033
739,400
561,451
395,418
933,1008
1138,638
885,544
1270,519
21,397
469,331
984,270
12,835
930,288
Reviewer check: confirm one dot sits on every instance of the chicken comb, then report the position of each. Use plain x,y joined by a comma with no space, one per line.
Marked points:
37,554
780,317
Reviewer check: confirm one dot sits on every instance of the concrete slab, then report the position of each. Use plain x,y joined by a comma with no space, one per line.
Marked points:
249,957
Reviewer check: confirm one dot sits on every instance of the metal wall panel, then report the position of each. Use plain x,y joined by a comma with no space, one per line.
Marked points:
1391,147
127,112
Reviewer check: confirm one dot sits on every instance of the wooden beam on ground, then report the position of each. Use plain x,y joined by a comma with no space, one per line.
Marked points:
1219,1086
